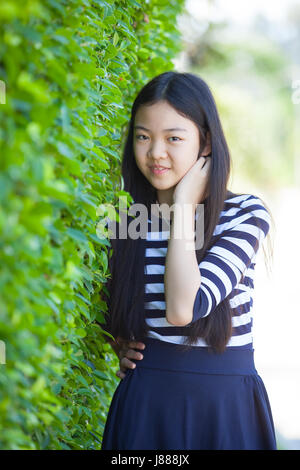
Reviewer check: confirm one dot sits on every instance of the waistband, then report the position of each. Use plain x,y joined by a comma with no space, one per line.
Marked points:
169,356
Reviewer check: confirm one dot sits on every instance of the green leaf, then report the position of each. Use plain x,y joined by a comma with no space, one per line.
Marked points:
100,374
115,39
81,332
76,235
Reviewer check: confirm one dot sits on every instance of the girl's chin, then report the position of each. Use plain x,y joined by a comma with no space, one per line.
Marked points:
162,186
161,182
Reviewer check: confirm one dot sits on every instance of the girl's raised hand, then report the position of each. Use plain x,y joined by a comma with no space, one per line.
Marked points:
126,353
191,189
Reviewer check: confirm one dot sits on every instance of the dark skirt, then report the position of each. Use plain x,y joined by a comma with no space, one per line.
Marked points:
190,400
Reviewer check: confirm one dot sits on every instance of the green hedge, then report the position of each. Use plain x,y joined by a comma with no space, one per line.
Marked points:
71,69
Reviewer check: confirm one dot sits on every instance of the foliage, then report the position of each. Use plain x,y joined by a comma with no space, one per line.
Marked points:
71,70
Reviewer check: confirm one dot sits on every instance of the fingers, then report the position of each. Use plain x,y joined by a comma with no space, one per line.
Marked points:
136,344
120,374
207,162
204,161
130,354
126,354
125,362
132,344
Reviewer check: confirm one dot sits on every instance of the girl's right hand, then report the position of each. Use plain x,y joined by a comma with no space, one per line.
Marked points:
126,353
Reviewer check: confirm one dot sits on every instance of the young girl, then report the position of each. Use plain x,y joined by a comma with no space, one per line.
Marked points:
190,307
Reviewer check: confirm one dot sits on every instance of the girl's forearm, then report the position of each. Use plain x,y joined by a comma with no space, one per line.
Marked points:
182,275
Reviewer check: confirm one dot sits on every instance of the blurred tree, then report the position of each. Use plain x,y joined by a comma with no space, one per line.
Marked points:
249,74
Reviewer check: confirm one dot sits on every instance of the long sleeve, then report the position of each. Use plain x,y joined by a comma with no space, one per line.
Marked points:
226,261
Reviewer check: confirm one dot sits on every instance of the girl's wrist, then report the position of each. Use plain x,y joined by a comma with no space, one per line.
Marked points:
180,202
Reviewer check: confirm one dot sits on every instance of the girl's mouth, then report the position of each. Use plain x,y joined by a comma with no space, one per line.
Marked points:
158,171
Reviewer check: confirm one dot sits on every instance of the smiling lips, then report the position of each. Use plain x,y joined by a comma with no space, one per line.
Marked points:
158,170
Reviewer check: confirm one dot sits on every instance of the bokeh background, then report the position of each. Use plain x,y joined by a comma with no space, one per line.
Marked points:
249,53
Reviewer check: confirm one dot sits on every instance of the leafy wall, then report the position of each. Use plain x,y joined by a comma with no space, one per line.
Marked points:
71,69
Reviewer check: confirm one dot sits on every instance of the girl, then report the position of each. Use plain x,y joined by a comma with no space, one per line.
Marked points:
190,308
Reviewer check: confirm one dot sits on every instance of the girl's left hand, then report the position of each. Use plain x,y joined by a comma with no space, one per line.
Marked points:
191,188
126,353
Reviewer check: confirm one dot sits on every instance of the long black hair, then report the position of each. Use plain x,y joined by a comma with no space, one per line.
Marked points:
189,95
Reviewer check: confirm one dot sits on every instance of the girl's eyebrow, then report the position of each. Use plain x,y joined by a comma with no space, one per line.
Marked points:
165,130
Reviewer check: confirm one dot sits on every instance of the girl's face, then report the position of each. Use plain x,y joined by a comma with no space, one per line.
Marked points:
162,137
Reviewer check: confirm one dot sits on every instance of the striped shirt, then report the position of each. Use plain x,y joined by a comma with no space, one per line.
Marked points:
227,270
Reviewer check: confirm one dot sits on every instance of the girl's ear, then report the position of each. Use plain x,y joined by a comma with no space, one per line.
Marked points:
207,149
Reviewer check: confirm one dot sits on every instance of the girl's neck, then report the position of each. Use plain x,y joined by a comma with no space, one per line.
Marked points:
165,196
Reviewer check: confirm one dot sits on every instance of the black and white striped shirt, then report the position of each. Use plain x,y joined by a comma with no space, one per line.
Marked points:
221,269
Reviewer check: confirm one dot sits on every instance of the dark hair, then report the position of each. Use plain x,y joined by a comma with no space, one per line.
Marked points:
189,95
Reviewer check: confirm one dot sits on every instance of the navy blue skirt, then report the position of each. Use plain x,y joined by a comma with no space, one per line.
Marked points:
194,399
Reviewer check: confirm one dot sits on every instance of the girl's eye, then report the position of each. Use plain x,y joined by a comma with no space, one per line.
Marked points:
142,135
